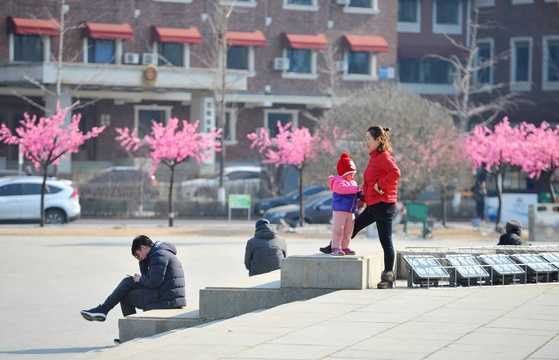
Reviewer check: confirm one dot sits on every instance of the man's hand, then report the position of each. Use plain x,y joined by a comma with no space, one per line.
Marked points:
379,190
137,278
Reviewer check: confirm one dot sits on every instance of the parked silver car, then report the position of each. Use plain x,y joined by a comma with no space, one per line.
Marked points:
238,180
20,200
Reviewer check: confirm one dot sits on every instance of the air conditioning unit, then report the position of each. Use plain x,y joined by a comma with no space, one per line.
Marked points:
131,58
281,64
149,58
343,2
340,66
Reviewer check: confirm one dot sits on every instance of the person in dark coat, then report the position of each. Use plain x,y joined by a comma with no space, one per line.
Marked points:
264,251
512,236
160,284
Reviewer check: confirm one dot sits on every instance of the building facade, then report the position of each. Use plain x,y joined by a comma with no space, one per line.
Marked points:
128,62
523,34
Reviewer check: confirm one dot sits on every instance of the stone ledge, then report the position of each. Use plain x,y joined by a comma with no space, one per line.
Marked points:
154,322
329,272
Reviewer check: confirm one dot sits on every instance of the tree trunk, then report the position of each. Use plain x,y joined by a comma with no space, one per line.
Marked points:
301,200
42,223
443,205
170,199
497,177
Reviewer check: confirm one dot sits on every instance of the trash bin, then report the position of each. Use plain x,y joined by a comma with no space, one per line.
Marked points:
417,212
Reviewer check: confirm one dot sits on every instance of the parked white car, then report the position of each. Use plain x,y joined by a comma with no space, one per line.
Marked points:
238,180
20,200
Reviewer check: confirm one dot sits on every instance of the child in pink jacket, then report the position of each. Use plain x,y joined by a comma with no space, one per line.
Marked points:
345,199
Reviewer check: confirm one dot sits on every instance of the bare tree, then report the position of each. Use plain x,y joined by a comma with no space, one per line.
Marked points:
483,101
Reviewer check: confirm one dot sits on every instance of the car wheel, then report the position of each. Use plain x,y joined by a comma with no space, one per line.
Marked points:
55,216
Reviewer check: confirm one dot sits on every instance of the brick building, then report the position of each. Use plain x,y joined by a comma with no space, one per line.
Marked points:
277,66
527,29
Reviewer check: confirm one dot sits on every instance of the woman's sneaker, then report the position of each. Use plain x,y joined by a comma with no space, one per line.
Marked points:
348,251
337,252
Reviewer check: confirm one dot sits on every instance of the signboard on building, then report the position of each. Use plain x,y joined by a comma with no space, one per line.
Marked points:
386,72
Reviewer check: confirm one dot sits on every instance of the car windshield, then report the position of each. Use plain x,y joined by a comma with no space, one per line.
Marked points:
316,198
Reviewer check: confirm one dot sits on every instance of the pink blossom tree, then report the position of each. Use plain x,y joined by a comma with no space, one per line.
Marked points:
495,149
46,141
540,152
441,155
296,147
171,146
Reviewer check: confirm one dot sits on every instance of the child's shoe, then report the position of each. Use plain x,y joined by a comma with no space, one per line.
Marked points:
348,251
337,252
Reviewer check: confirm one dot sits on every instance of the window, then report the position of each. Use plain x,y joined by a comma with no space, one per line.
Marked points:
245,3
362,7
361,3
11,190
28,48
303,5
299,60
425,71
485,3
520,2
271,118
485,52
358,62
229,132
361,56
447,17
101,51
103,42
521,64
29,39
170,54
145,114
409,14
238,57
550,63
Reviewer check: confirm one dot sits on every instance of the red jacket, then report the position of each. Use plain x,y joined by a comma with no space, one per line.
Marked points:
381,169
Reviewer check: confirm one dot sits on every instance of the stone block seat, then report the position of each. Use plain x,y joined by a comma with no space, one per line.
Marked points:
300,278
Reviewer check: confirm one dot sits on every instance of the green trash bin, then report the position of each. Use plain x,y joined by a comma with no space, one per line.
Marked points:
417,212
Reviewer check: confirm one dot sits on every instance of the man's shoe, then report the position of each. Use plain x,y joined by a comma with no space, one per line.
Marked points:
326,249
98,313
117,341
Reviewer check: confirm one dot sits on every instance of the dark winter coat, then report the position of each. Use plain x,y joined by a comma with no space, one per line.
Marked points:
510,239
264,251
162,278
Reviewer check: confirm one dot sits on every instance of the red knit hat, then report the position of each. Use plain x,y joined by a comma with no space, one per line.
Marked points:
345,165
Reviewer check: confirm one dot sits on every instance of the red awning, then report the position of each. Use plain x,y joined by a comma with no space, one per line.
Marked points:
246,38
108,31
310,42
25,26
176,35
366,43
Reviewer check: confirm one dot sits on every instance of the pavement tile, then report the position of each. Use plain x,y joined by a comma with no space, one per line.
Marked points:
291,352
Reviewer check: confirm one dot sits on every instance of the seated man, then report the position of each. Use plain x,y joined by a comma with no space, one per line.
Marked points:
264,251
160,284
512,236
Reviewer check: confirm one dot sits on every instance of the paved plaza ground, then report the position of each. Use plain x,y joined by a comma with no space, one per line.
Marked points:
50,274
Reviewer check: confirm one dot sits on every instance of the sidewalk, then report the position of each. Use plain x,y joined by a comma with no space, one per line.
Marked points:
513,322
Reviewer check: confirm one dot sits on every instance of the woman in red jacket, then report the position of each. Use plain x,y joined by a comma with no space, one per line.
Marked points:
380,191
